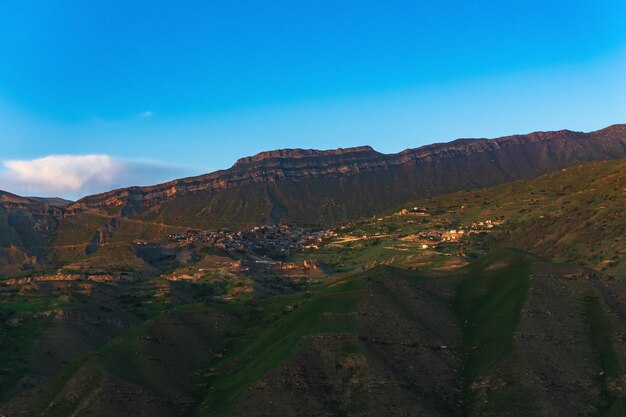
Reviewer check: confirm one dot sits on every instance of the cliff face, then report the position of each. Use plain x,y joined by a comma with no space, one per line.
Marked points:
429,169
292,164
10,201
27,227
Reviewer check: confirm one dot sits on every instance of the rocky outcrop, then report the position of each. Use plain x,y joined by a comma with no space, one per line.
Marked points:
348,153
102,278
102,236
12,202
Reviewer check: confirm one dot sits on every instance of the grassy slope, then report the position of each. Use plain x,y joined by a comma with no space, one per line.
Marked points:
572,215
117,253
489,305
266,345
16,341
488,302
204,357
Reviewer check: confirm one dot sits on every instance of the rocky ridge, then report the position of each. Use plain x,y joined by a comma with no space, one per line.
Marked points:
517,156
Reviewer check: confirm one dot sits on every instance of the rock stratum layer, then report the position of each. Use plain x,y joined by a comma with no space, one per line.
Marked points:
364,174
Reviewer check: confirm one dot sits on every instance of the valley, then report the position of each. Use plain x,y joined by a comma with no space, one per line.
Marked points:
503,299
312,209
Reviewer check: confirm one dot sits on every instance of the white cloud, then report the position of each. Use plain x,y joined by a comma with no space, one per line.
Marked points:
73,176
146,114
63,172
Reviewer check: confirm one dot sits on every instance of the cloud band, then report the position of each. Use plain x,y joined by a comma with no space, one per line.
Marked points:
77,175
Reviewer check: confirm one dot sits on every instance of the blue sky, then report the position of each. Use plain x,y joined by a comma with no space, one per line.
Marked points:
149,91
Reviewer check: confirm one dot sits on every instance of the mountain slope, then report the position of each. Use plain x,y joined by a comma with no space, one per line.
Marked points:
205,334
573,215
508,335
320,187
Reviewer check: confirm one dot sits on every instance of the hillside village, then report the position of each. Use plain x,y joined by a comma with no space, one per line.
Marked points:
273,241
416,228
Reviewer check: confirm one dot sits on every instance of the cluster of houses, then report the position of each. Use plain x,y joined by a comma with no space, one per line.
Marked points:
271,240
414,210
433,238
485,225
279,241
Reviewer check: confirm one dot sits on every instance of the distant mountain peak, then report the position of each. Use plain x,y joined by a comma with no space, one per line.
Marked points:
302,153
616,128
53,201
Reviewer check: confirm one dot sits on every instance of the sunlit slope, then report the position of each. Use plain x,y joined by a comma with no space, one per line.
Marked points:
575,215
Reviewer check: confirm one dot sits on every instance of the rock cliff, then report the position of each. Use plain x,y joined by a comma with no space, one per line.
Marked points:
413,173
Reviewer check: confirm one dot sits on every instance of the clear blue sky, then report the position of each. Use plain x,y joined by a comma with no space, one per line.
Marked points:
169,88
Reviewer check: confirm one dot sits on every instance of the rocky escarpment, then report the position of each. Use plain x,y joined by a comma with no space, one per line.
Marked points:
12,202
349,154
27,227
514,157
267,166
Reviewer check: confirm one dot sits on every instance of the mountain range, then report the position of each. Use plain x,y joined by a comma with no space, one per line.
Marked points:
305,187
324,187
481,277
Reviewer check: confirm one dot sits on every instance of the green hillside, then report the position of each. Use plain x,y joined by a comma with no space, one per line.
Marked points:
573,215
484,340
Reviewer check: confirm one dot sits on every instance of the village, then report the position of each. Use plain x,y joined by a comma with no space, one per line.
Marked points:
272,241
416,228
278,242
436,237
